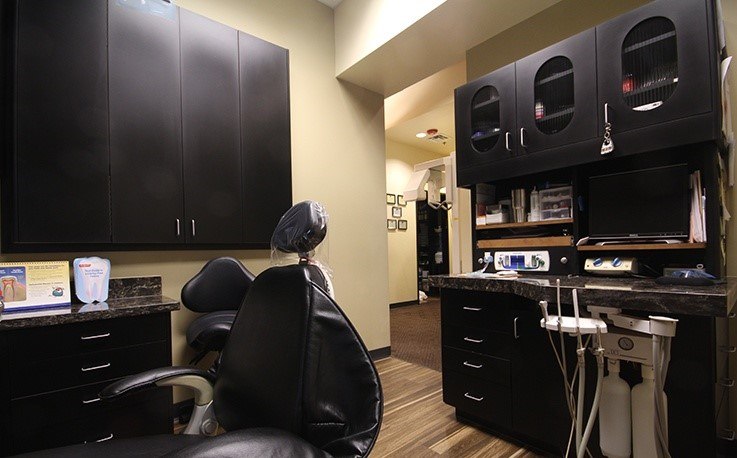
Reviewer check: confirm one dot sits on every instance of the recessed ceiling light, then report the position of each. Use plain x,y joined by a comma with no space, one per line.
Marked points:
421,135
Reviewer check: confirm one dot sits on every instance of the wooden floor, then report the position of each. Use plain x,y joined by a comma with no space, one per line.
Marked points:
418,424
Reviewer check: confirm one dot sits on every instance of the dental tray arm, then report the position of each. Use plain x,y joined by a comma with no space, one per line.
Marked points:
197,379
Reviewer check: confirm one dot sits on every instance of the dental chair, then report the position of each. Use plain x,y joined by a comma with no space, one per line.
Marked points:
217,291
295,379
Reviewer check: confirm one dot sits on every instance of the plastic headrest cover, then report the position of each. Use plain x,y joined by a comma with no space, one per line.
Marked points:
301,228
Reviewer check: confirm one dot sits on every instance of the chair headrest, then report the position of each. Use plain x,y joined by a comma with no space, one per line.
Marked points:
301,229
220,285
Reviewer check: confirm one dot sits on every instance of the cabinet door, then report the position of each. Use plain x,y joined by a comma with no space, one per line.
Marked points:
62,158
538,402
145,122
211,131
485,113
265,136
556,94
654,64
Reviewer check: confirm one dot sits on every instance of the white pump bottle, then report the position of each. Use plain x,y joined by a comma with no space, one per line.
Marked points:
615,438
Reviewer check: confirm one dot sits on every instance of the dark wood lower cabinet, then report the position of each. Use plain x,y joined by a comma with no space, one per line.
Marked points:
501,375
52,375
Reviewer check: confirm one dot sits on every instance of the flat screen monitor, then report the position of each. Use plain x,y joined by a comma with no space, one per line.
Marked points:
642,204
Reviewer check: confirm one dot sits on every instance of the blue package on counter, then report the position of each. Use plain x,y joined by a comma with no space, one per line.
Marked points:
91,279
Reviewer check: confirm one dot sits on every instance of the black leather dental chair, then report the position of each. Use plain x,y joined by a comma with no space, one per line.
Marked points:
295,380
217,291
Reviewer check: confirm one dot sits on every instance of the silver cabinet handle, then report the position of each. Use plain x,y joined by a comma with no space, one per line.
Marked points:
522,137
97,336
472,309
727,382
516,336
473,398
91,401
179,228
94,368
506,141
476,341
728,349
606,113
194,229
473,366
731,315
727,435
105,438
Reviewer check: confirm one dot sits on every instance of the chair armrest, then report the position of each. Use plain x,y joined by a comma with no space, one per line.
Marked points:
199,380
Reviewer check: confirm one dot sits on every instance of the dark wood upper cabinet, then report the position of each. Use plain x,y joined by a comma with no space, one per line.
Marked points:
211,131
61,158
486,123
655,65
145,124
265,136
556,94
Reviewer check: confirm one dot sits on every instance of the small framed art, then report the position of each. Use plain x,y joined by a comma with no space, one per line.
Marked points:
402,224
391,199
391,224
396,212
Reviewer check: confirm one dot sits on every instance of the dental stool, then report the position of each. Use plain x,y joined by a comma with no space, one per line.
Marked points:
218,291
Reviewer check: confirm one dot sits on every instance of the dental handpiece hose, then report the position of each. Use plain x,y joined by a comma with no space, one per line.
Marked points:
599,352
580,351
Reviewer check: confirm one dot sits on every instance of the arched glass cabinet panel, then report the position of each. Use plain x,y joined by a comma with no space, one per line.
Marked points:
649,64
554,96
485,119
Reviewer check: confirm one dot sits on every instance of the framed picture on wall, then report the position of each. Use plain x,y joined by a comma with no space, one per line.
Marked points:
396,212
402,224
391,199
400,200
391,224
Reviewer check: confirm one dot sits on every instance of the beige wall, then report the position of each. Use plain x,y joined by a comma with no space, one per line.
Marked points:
338,158
402,259
361,26
552,25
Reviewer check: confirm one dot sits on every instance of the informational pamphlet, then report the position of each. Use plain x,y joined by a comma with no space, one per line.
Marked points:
34,285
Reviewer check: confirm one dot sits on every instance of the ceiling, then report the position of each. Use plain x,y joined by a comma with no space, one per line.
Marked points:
330,3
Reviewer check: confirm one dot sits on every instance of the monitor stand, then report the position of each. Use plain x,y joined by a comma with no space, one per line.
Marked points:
621,242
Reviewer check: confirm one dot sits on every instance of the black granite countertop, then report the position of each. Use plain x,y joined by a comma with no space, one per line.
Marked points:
127,297
625,293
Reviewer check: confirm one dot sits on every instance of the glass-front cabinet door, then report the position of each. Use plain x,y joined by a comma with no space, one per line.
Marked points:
653,65
556,94
485,119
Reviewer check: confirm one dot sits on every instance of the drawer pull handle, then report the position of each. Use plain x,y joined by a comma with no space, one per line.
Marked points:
476,341
731,315
727,435
473,398
727,382
105,438
94,368
474,366
98,336
91,401
728,349
472,309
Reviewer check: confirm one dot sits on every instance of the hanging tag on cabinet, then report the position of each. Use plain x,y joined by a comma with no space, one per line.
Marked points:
608,146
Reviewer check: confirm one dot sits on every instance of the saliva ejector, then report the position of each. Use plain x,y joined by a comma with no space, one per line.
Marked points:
632,422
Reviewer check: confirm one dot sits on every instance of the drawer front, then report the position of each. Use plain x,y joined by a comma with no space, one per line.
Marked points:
478,397
152,417
36,377
70,339
489,368
475,313
489,343
74,403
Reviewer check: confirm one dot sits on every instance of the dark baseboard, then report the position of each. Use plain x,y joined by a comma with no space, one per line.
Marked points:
726,448
380,353
403,304
183,410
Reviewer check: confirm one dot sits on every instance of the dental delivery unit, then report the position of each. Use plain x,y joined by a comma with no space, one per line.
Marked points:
631,422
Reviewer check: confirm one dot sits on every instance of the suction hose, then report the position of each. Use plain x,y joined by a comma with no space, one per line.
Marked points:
595,405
